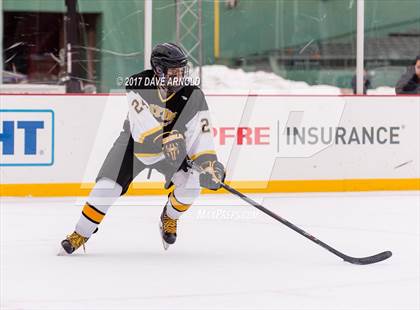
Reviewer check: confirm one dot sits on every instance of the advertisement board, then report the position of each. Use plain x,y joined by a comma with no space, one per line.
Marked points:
55,144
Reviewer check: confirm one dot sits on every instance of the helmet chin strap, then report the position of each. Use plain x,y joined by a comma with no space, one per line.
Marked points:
162,78
159,73
165,91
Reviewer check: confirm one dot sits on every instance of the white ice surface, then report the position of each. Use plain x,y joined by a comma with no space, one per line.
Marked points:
228,255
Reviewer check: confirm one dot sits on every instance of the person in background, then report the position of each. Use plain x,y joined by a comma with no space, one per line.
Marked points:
366,83
409,82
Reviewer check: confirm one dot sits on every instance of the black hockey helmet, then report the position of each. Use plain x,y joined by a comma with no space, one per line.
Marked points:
167,55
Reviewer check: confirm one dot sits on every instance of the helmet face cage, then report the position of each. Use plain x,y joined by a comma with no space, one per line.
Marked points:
172,78
170,64
175,78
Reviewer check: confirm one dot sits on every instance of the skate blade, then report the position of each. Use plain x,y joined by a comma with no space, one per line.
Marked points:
165,245
62,252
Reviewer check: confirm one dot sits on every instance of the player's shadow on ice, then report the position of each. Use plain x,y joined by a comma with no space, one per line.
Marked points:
200,257
153,256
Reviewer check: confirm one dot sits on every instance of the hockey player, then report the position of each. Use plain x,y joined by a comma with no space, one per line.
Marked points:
168,122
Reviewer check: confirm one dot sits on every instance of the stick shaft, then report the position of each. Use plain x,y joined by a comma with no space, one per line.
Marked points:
282,220
354,260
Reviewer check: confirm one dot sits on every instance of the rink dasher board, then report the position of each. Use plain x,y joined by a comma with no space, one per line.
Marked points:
268,143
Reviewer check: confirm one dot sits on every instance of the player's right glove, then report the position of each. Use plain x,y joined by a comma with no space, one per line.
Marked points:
174,148
213,175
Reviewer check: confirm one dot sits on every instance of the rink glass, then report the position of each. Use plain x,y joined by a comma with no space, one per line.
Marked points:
306,40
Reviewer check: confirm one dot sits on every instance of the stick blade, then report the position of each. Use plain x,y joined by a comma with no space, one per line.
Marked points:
369,259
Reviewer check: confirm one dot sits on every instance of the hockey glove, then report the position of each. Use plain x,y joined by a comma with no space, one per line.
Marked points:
213,174
174,148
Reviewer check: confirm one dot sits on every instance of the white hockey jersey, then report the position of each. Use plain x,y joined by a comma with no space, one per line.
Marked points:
150,116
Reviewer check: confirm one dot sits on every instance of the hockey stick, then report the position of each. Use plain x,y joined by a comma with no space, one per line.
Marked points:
353,260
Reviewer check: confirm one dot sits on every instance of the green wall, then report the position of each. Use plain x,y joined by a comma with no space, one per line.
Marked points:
261,25
254,27
119,31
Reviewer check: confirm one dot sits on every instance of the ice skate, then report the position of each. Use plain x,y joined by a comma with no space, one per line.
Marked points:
167,228
72,243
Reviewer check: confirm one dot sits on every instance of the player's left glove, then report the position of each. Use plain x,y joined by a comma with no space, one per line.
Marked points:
174,148
213,174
